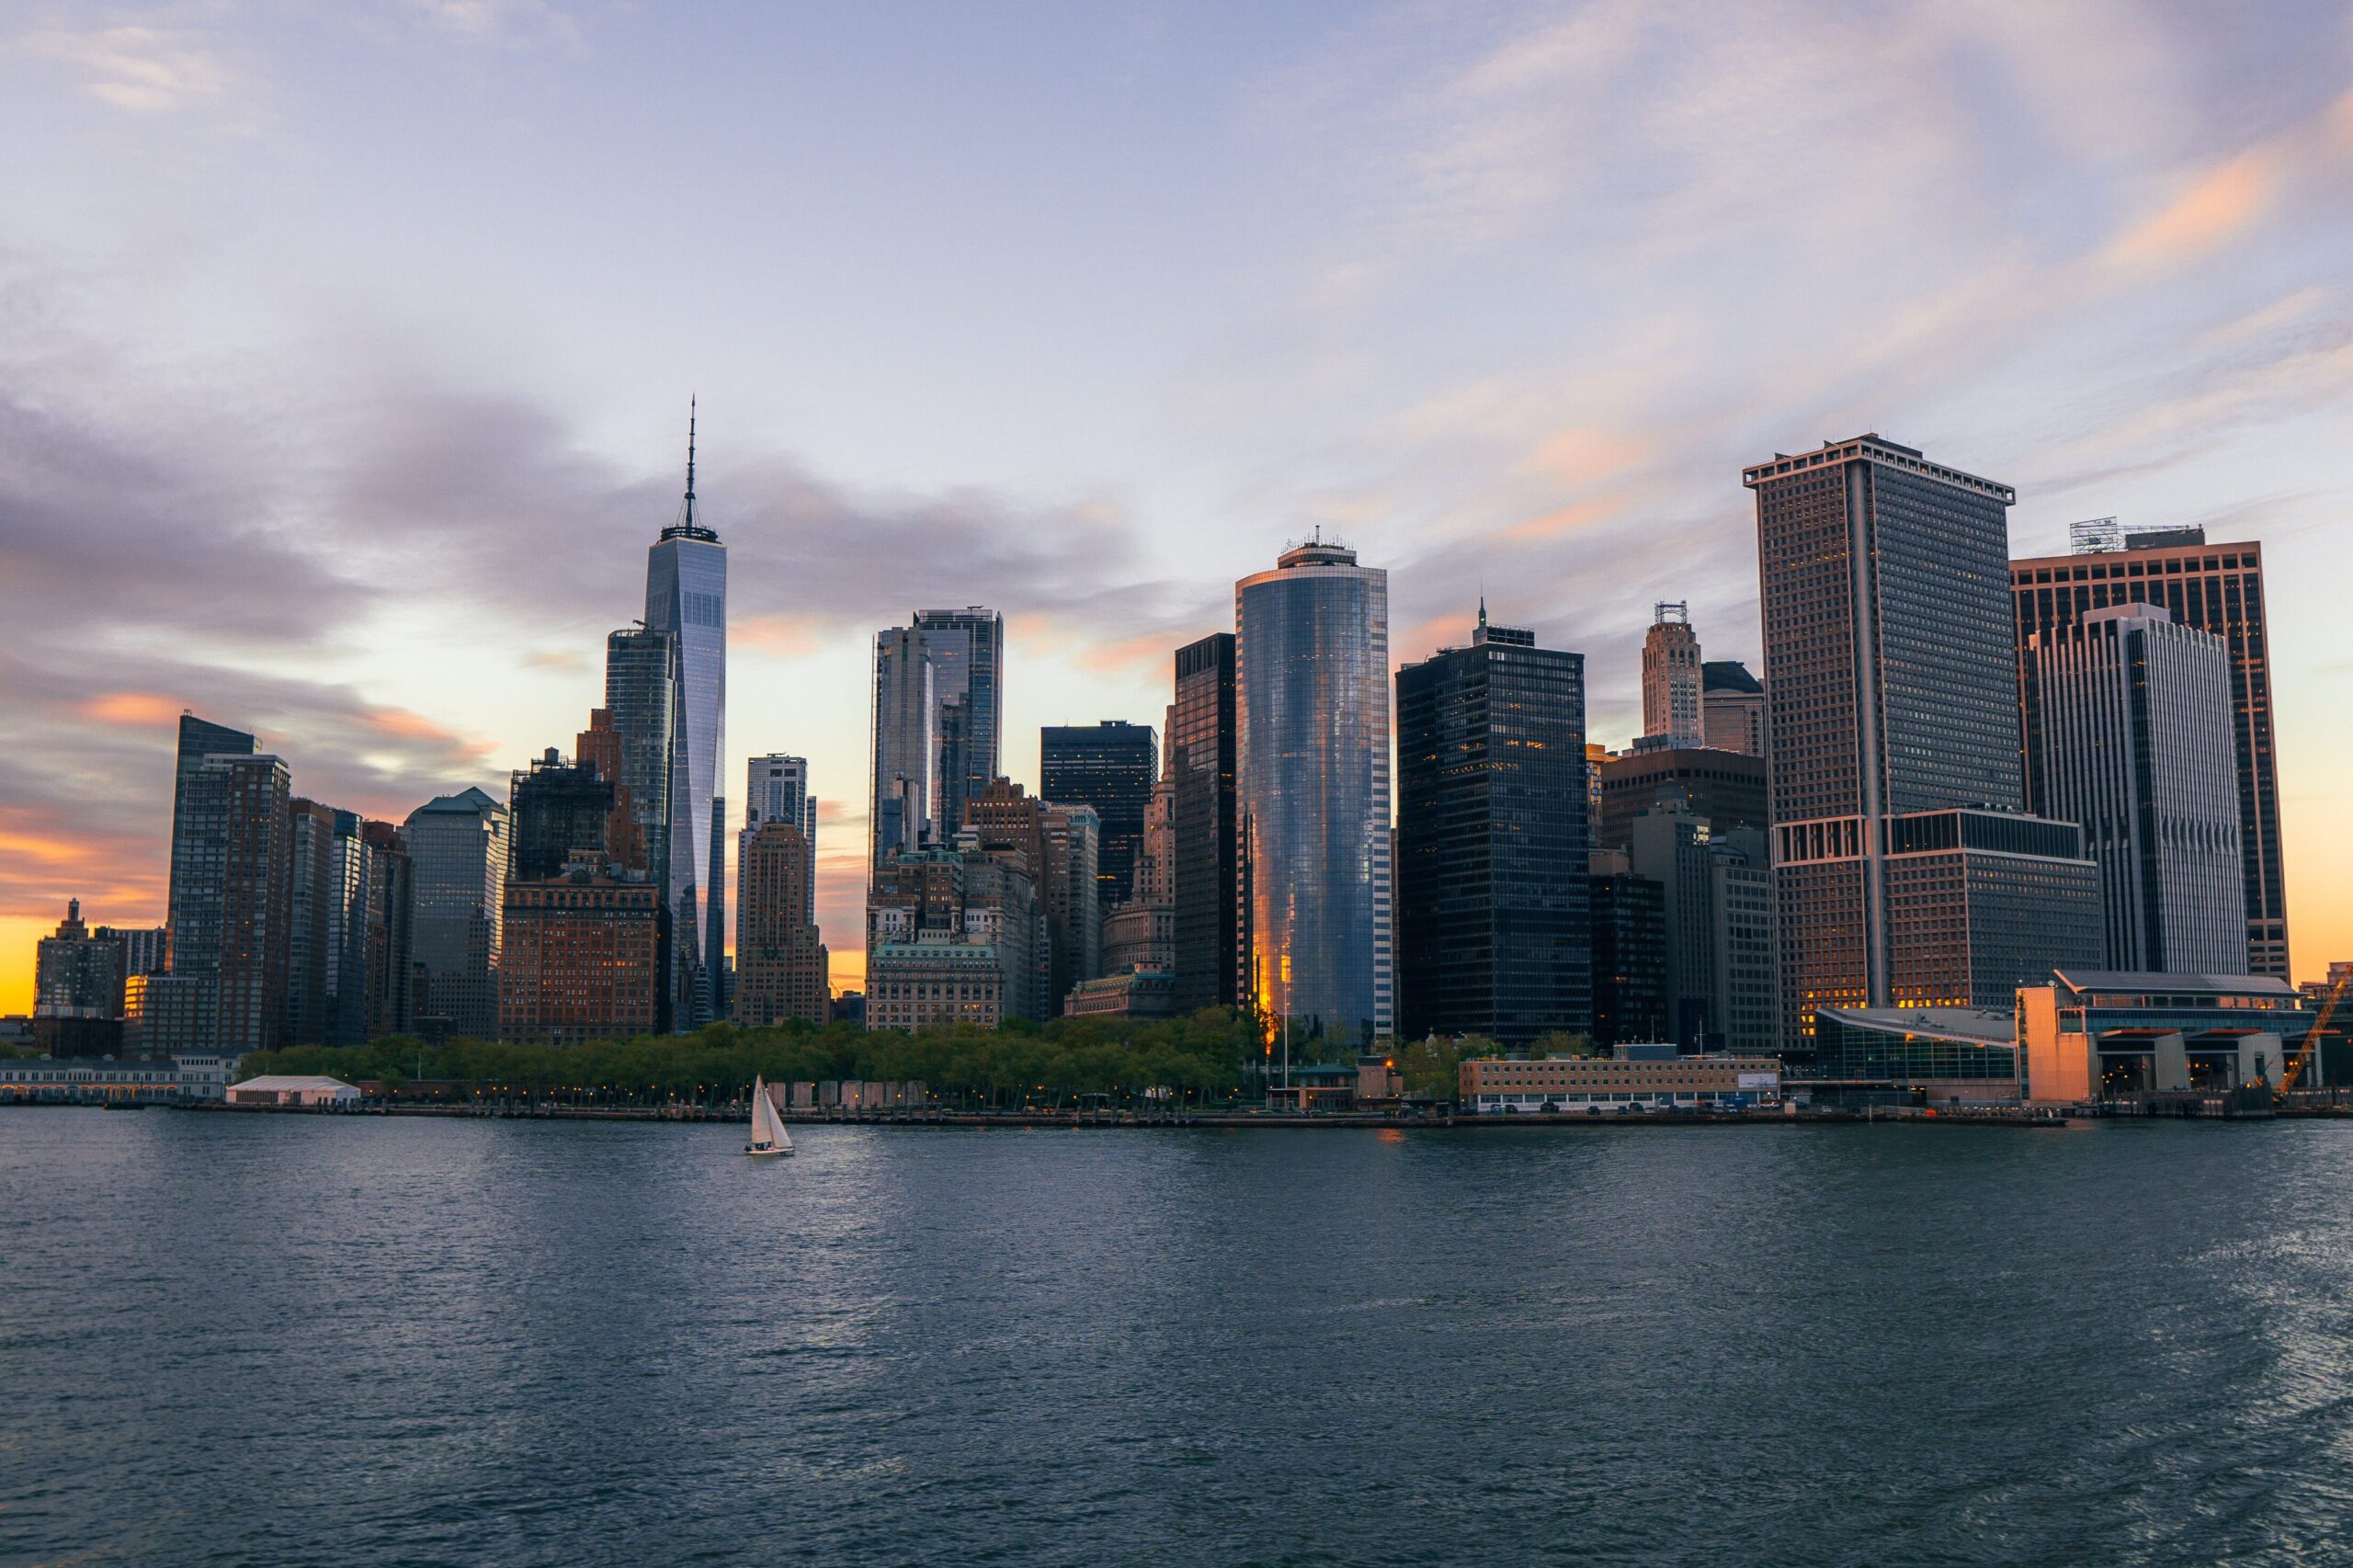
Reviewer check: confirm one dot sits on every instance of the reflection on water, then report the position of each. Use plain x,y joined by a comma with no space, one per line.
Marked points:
245,1338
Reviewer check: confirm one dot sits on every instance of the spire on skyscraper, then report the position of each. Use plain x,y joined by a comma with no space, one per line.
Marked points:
685,527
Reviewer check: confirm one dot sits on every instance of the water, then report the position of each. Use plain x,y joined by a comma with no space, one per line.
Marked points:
294,1339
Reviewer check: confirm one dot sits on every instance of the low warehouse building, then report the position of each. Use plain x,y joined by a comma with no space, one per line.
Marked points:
277,1089
1635,1080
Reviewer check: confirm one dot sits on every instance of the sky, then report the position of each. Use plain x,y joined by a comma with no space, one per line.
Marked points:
346,350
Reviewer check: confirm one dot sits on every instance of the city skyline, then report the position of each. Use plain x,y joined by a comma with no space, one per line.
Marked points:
363,567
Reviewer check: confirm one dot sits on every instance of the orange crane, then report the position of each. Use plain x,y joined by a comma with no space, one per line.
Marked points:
2312,1038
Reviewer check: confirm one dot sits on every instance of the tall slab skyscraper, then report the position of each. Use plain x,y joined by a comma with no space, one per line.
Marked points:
906,746
1494,914
685,595
966,648
1312,640
2212,588
1908,873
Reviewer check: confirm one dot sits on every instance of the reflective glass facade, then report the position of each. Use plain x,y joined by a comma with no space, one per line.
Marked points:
1492,906
966,648
905,744
641,700
1206,870
685,595
1313,651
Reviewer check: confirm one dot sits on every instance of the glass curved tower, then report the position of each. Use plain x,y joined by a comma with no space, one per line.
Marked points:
685,595
1312,707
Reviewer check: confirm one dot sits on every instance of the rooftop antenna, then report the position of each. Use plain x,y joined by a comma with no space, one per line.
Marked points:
691,400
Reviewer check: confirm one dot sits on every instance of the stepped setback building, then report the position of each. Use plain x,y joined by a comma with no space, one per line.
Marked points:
1907,871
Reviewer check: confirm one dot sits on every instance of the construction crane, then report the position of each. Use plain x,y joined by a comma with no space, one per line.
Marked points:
2311,1036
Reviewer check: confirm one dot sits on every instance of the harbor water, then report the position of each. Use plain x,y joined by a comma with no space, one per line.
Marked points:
233,1339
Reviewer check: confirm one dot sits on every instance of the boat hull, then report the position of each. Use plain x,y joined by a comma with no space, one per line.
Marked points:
765,1153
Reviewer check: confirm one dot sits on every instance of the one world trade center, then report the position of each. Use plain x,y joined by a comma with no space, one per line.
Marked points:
685,595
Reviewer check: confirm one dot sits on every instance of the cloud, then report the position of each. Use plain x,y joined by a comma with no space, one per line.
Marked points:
2219,205
141,70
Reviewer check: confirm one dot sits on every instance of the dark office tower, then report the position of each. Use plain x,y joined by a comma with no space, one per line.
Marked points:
383,949
642,686
686,596
1727,788
1629,959
556,807
1907,874
230,901
199,739
313,923
2216,588
1112,766
1205,865
1492,906
2128,717
458,854
1311,700
966,649
907,747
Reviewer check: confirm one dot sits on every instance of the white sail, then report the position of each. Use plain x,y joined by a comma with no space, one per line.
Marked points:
763,1116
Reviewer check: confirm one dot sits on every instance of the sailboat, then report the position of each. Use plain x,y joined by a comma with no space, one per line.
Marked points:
768,1136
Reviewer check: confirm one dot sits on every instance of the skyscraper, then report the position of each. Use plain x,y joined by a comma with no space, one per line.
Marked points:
2211,588
78,990
1727,787
966,648
198,738
1492,933
1717,907
1114,767
2129,722
458,851
641,714
1732,707
315,924
583,958
1906,871
776,790
1629,953
1671,714
1205,833
686,596
780,962
1057,846
907,744
230,898
555,808
1312,656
